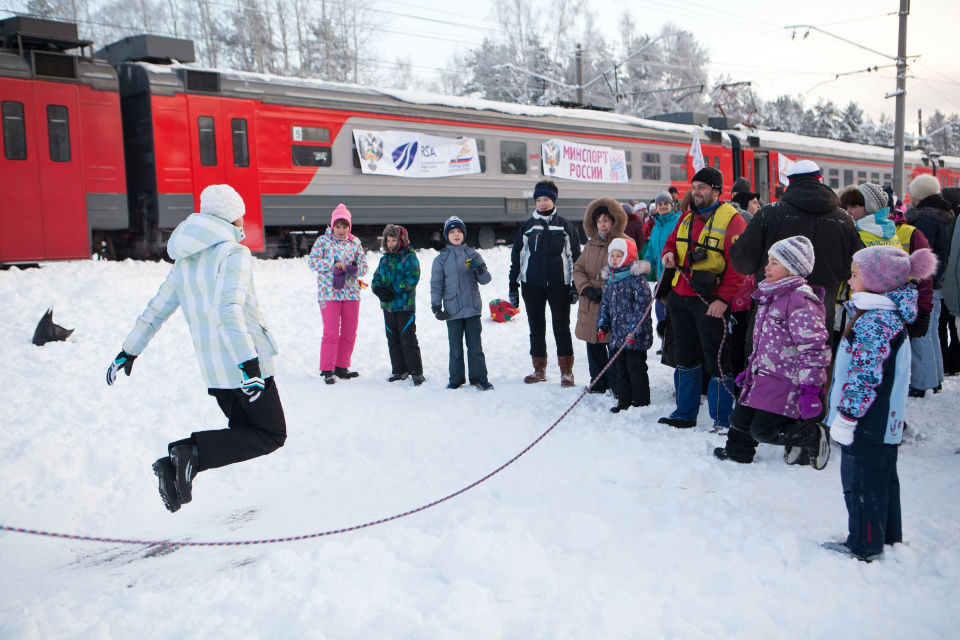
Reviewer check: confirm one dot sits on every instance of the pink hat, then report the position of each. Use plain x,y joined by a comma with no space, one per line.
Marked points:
341,213
884,268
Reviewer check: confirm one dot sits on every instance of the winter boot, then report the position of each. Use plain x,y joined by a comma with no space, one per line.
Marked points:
454,385
720,453
483,386
164,470
566,371
687,382
328,377
819,451
397,377
539,370
842,548
418,379
184,459
720,402
341,372
619,407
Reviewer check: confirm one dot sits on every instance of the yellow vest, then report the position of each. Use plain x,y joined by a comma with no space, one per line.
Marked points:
868,239
905,235
711,238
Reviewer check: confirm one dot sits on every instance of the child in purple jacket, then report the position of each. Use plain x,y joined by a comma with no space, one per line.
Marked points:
782,385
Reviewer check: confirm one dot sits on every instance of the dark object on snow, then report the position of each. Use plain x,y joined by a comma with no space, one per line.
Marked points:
47,331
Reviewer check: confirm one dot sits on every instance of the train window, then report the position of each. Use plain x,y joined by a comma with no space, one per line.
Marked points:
482,154
847,177
716,162
678,167
241,147
628,157
875,177
208,141
834,178
513,157
309,155
14,131
861,177
887,178
310,134
58,131
650,169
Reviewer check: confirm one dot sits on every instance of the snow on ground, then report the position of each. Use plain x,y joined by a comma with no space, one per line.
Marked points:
611,527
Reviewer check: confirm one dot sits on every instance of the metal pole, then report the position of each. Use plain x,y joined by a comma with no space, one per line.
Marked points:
919,123
580,75
901,99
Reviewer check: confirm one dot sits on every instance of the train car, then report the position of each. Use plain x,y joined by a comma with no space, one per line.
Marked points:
61,172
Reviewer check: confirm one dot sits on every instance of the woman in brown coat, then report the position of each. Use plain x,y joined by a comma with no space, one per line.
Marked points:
603,221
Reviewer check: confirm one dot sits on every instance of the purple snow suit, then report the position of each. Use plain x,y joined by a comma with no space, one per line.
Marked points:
789,346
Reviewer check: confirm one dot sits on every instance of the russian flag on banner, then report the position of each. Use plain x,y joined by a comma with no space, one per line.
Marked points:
783,166
696,153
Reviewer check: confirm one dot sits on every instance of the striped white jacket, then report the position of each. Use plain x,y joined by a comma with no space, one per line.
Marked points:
212,281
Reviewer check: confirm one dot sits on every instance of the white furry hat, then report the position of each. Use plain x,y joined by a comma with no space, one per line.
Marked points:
922,187
222,201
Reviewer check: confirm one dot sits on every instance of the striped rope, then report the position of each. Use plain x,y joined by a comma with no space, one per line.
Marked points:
331,532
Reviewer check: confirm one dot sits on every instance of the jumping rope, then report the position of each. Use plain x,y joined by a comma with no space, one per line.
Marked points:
310,536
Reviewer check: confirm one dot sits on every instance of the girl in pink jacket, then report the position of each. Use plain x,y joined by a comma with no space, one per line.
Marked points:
339,260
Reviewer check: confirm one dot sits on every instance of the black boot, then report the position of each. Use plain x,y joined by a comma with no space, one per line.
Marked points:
328,377
185,463
418,379
397,377
620,407
341,372
165,471
720,453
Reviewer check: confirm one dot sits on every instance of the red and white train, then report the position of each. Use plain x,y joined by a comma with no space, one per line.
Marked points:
108,154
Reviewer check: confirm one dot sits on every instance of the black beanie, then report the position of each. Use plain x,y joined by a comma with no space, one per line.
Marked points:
710,177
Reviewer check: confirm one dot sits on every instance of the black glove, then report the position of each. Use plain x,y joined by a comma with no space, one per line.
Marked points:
515,296
919,327
596,295
252,385
384,293
439,313
475,264
574,296
123,361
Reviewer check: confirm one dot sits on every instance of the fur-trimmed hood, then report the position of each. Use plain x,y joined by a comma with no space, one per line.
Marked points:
935,207
402,237
616,212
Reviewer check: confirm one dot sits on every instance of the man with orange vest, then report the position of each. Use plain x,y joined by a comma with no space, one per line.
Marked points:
699,304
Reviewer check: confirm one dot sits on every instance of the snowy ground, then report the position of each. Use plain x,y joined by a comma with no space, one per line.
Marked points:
611,527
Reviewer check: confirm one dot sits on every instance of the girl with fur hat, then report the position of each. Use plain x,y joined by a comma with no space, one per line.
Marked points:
782,384
339,260
626,299
868,398
395,283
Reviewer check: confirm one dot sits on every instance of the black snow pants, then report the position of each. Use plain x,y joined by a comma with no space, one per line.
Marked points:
633,382
871,489
750,426
253,428
401,327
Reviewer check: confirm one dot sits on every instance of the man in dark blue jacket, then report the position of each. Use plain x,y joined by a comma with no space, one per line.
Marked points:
541,269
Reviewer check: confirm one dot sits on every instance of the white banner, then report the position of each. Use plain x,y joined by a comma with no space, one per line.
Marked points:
783,165
696,153
574,161
414,155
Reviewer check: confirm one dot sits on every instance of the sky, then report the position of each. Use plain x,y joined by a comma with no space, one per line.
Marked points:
746,40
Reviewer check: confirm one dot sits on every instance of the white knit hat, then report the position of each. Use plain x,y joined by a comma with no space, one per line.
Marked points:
222,201
796,254
922,187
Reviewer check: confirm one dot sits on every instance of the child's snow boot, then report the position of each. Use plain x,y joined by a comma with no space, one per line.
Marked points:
418,379
184,459
328,377
341,372
167,475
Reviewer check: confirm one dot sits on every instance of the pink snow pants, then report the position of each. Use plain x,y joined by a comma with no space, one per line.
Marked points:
339,333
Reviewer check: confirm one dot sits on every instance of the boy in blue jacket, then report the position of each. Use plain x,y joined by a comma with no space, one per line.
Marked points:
455,297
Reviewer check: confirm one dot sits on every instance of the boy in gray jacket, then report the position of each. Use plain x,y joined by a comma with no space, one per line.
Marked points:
455,297
212,282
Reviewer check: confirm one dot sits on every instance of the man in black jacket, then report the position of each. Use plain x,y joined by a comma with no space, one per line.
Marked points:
541,268
808,208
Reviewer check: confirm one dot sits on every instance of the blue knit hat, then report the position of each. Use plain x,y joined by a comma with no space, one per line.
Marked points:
545,188
453,222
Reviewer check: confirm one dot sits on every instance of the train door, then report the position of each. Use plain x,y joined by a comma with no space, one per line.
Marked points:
761,172
748,172
21,220
240,165
208,153
62,201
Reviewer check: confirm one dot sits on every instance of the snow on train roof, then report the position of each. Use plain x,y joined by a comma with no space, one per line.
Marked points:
425,98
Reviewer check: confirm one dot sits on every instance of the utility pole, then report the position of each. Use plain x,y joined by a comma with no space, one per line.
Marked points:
579,75
901,94
919,123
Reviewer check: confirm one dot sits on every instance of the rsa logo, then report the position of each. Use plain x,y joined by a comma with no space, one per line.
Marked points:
534,156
